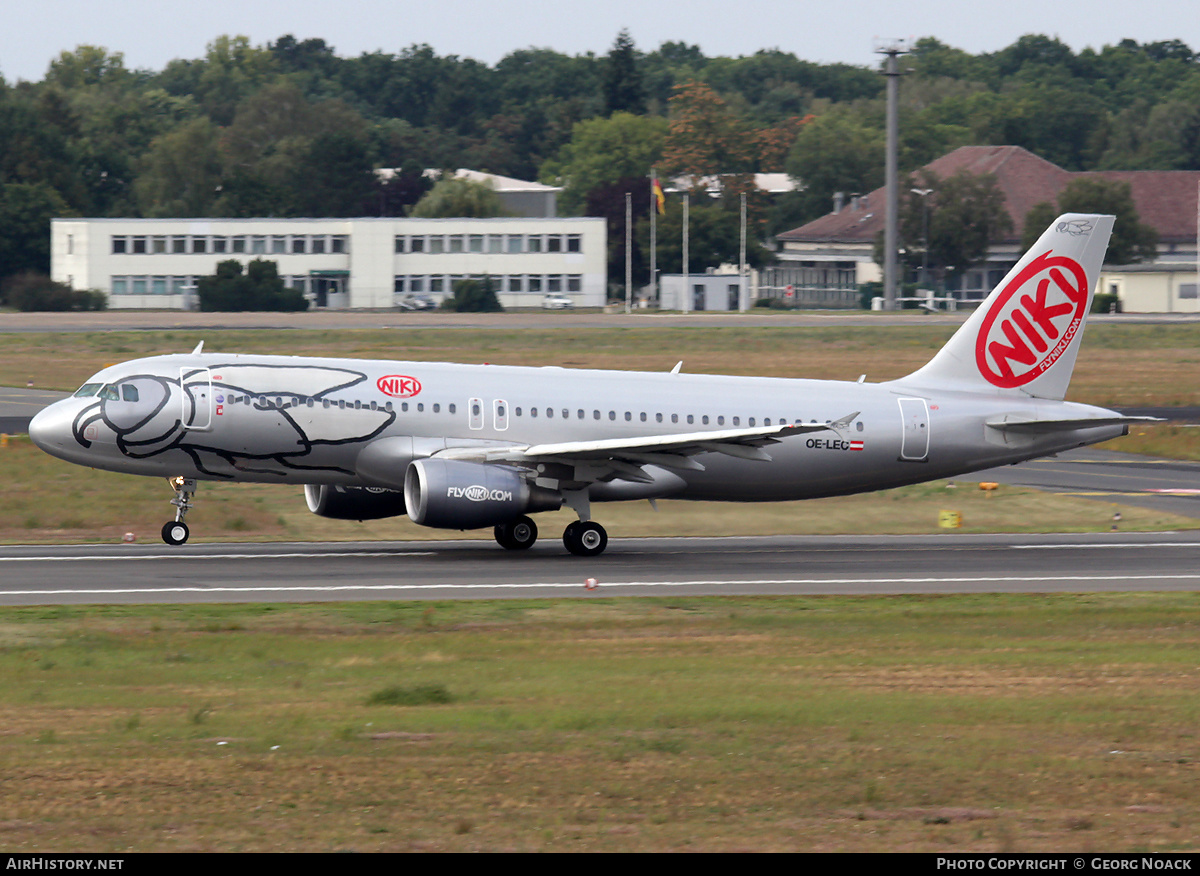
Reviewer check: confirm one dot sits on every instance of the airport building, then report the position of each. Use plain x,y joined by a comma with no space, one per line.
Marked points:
337,263
826,260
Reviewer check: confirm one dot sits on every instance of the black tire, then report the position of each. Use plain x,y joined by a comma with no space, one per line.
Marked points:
585,538
175,532
516,535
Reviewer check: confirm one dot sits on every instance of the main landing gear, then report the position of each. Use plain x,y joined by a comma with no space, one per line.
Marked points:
583,538
176,531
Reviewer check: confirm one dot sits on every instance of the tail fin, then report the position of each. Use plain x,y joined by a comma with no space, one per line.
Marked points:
1025,336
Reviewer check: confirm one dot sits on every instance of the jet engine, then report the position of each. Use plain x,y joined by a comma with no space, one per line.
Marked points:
452,494
353,503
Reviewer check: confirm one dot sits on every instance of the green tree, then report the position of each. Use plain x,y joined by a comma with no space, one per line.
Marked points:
259,288
25,213
181,174
474,296
623,90
714,238
601,152
452,197
838,151
964,213
1131,240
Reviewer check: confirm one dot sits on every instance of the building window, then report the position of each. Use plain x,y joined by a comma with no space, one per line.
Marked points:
574,283
416,244
138,285
574,243
258,245
534,243
299,244
158,244
278,244
495,243
139,244
554,283
437,244
220,244
515,243
158,285
475,242
200,244
318,244
339,243
238,244
119,245
456,243
535,284
120,285
553,243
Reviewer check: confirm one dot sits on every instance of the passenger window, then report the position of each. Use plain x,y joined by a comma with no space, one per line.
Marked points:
643,416
437,409
658,418
475,420
691,419
720,421
704,419
628,416
500,414
674,418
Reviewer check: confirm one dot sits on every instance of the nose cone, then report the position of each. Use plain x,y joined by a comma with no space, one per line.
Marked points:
50,429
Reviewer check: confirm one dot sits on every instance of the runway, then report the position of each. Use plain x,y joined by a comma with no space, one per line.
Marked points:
848,565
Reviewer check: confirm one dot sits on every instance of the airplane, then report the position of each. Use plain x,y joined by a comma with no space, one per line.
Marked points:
466,446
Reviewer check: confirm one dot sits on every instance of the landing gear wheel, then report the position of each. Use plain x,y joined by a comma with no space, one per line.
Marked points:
175,532
585,538
516,535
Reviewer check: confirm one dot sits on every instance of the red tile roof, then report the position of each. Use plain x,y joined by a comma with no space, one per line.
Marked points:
1165,199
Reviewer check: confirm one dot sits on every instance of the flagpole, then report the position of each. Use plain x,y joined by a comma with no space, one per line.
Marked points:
654,235
742,292
686,308
628,252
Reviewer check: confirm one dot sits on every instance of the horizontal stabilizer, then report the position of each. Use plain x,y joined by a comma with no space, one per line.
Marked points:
1043,427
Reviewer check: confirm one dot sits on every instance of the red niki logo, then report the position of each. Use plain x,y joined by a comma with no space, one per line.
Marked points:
399,386
1032,322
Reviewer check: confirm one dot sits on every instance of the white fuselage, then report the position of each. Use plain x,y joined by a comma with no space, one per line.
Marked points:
276,419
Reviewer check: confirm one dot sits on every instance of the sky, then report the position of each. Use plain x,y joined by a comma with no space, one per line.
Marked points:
150,33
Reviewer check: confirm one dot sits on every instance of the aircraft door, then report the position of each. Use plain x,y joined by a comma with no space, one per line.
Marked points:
914,440
196,386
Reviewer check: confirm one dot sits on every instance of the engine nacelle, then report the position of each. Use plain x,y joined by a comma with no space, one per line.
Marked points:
353,503
451,494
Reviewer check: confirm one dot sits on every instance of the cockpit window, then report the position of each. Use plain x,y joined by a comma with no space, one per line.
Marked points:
109,392
129,393
87,390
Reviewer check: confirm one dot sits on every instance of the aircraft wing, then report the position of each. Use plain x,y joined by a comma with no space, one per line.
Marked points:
623,457
1066,425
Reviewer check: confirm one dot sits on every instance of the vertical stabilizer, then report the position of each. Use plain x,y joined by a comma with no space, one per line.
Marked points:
1025,336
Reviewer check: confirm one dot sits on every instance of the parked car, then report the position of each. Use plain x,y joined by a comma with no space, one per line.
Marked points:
557,302
417,302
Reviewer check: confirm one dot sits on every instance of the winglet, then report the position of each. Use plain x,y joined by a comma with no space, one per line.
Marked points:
199,348
678,365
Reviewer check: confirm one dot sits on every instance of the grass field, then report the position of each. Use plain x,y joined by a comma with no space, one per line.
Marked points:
1122,365
983,723
46,500
957,723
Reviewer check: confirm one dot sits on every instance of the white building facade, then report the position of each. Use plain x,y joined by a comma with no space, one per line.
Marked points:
337,263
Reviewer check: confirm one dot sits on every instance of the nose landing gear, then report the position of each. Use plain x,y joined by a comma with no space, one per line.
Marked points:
176,531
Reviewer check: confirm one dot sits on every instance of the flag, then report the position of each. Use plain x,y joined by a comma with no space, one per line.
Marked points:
659,199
